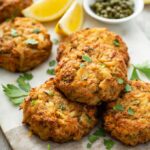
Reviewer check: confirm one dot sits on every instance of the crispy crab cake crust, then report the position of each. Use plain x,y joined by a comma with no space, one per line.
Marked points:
89,39
130,129
12,8
16,54
94,81
51,116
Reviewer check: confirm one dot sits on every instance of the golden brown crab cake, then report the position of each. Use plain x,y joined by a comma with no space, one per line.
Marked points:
12,8
128,119
51,116
91,76
24,44
91,38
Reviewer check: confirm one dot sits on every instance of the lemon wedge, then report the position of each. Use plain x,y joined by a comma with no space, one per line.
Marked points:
71,21
146,1
47,10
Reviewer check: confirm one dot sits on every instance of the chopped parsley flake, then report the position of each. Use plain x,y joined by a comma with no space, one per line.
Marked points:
82,65
109,144
33,102
95,136
55,41
131,111
31,42
128,88
102,65
118,107
52,63
86,58
116,43
62,107
120,81
51,71
37,30
14,33
48,147
49,92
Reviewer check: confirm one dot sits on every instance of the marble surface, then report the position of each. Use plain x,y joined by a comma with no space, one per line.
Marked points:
132,33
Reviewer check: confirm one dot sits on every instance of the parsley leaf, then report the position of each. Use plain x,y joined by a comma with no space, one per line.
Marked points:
131,111
86,58
120,81
55,41
31,42
52,63
37,30
116,43
51,71
144,68
118,107
17,94
14,33
23,81
134,75
82,65
108,144
48,147
128,88
95,136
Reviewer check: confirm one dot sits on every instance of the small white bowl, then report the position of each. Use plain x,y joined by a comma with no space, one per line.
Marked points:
138,7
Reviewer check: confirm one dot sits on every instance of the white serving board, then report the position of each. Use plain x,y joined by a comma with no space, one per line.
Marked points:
11,116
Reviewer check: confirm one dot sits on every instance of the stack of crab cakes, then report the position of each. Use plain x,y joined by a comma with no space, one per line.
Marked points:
90,70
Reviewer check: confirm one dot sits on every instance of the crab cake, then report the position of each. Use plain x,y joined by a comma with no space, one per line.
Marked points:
91,38
24,44
91,74
51,116
128,119
12,8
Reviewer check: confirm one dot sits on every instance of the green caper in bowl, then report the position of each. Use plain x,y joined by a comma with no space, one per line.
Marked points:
113,9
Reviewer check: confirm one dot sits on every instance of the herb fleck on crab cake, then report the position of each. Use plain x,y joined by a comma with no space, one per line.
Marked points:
12,8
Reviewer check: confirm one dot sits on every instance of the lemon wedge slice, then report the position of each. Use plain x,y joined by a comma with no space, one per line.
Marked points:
71,21
146,1
47,10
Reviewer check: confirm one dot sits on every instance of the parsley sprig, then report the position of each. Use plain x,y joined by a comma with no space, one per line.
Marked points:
140,68
51,70
16,94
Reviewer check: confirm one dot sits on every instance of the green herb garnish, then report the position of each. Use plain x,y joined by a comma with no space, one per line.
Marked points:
116,43
31,42
14,33
37,30
131,111
120,81
23,81
82,65
109,144
52,63
33,102
49,92
118,107
95,136
16,94
134,75
102,65
62,107
86,58
128,88
55,41
48,147
51,71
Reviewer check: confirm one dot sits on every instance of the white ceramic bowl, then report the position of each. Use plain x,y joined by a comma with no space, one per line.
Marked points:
139,5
